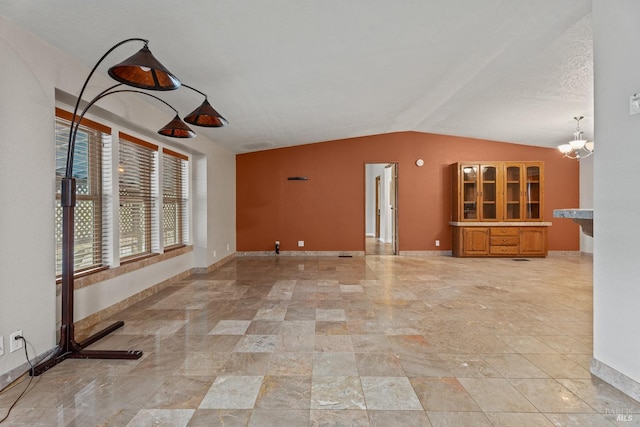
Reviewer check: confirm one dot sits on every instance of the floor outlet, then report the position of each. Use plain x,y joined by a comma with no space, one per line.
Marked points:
15,344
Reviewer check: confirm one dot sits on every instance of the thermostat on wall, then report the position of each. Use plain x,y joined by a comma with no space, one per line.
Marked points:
419,162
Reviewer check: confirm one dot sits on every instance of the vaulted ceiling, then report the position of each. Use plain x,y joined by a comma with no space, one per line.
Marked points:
289,72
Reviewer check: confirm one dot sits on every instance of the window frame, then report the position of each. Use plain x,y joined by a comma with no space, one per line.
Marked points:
176,176
97,133
145,195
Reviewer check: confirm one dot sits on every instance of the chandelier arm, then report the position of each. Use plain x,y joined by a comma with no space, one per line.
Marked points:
195,90
70,146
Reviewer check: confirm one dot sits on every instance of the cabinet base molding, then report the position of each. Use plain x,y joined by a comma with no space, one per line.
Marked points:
500,240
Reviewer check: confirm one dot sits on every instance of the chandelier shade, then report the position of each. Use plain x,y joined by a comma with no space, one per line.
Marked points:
144,71
176,128
206,116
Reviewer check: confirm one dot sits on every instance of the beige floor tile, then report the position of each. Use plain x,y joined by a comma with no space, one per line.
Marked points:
510,419
390,393
154,417
220,418
458,419
548,395
443,395
286,392
373,340
514,366
232,392
337,392
399,418
496,395
279,418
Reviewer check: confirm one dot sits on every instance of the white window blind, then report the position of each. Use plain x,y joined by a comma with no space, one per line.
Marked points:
174,198
137,179
92,150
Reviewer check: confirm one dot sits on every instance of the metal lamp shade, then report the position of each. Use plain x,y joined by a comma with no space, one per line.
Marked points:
176,128
206,116
144,71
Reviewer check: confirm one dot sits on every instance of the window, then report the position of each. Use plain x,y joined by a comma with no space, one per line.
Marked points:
92,148
174,198
137,179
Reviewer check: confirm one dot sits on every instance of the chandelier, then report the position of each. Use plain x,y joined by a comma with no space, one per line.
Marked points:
578,148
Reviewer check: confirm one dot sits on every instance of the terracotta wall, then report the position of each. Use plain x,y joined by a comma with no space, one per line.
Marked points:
327,211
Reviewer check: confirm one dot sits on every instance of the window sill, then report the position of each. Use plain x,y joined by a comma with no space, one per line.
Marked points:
83,279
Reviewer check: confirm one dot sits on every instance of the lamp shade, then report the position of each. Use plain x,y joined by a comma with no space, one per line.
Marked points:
205,115
176,128
144,71
565,148
577,144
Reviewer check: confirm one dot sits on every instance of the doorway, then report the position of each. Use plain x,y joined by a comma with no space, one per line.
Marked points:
381,209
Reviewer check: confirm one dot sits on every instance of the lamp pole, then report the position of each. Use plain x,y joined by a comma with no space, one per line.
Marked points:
143,71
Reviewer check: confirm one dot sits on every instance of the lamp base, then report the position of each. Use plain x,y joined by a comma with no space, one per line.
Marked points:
70,349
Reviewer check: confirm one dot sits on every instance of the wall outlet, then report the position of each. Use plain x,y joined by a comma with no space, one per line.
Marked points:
301,243
227,246
1,345
15,344
214,253
437,242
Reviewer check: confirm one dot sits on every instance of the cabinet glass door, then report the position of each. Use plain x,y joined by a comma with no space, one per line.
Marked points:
469,192
532,193
489,193
512,192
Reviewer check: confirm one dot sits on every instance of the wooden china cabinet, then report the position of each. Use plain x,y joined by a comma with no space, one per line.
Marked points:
497,209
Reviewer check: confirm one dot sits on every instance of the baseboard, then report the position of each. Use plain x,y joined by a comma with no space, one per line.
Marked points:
212,267
302,253
9,377
617,379
425,253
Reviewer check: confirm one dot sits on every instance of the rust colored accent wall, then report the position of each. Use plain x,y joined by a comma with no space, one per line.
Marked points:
328,210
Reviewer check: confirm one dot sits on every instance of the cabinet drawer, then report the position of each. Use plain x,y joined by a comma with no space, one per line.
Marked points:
504,240
504,250
504,231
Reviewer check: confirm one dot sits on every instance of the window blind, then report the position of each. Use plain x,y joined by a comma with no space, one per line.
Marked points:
92,151
174,198
137,191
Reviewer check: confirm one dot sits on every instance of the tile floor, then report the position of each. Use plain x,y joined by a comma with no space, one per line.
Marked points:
368,341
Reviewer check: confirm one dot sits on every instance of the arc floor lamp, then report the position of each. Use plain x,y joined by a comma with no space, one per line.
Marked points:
141,71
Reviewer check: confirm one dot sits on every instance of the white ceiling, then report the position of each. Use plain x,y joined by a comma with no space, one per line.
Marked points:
289,72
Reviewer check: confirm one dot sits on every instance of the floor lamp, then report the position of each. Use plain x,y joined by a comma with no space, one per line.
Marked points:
141,71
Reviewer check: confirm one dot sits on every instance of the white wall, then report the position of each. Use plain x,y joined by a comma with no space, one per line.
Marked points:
616,195
31,72
586,199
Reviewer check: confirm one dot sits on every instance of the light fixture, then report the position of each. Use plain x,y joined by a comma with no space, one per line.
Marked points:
142,71
205,115
578,148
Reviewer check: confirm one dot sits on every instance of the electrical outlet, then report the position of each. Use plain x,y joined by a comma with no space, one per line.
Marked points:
227,246
437,242
15,344
301,243
1,345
